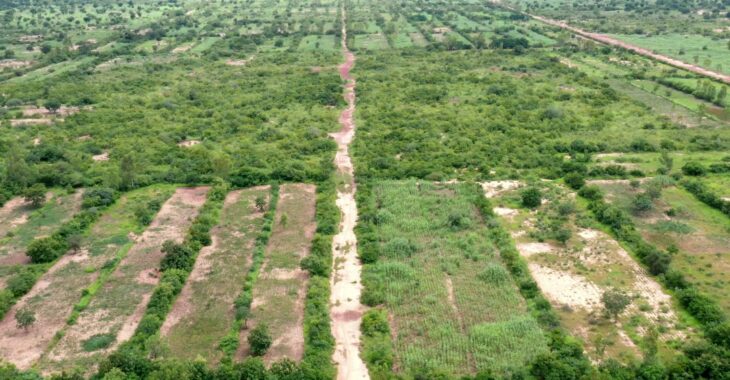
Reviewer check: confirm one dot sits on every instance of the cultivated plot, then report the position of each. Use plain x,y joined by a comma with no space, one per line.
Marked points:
204,311
59,291
280,290
452,304
59,208
115,311
698,235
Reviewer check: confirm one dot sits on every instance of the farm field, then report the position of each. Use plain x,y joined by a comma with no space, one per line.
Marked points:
57,298
280,289
576,264
113,313
677,221
364,189
451,303
204,311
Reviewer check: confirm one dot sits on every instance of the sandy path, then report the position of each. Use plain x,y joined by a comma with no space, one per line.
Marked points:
346,310
604,39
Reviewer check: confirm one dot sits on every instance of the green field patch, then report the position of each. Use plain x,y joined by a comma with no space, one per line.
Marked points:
375,41
710,53
319,42
439,278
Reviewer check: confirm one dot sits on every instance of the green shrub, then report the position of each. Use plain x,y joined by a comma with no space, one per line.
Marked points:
98,342
45,250
694,168
531,197
259,339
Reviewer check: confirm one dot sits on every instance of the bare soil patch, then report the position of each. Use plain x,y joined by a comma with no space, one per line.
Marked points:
101,157
182,48
14,63
495,188
565,288
188,143
26,122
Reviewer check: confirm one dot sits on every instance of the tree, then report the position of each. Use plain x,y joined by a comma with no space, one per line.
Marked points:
574,180
53,105
35,194
128,172
260,203
259,339
531,197
24,319
614,303
17,172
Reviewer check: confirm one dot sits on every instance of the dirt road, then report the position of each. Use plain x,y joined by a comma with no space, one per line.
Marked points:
345,308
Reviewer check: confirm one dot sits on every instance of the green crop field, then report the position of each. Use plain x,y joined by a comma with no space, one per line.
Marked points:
452,303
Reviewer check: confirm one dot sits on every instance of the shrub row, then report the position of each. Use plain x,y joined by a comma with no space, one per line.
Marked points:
46,250
699,190
319,344
229,343
176,266
703,308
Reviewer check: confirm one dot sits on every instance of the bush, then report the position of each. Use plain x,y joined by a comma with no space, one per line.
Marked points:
21,282
591,192
45,250
98,342
694,168
259,340
99,197
531,197
574,180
